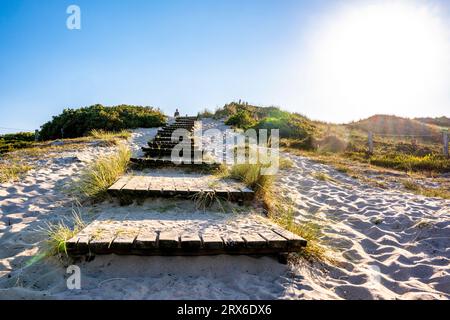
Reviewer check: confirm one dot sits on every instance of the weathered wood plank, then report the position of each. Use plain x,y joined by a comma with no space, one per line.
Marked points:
254,241
293,239
233,241
212,241
124,241
168,240
190,241
83,243
119,184
132,183
72,243
274,240
101,243
146,240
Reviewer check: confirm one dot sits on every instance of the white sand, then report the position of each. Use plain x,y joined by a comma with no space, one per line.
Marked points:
391,244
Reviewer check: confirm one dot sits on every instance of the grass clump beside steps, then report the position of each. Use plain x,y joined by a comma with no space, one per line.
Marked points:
102,173
279,210
58,234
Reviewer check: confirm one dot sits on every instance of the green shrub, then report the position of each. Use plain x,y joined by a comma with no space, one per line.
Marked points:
242,119
11,142
292,126
79,122
412,163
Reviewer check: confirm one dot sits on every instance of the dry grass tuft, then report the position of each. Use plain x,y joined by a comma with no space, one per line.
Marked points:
102,173
13,170
58,234
111,138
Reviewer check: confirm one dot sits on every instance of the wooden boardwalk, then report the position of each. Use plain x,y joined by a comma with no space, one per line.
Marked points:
187,185
144,232
143,235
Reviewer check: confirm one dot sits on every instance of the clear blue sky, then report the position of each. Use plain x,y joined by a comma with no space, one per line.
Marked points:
189,54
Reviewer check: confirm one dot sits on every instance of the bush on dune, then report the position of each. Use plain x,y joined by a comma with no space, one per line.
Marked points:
242,119
405,162
75,123
11,142
291,125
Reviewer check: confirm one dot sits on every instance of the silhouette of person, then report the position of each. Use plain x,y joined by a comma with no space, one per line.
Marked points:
177,114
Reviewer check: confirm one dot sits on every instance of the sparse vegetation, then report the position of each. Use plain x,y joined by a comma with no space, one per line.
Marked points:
278,209
285,163
206,113
205,199
322,176
12,170
58,234
429,192
102,173
11,142
408,163
283,215
112,138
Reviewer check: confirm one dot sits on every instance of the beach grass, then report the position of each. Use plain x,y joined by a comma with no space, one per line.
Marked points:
279,209
110,137
13,170
102,173
58,234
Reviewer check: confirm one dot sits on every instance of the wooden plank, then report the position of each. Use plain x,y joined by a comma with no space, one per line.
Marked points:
83,243
119,184
124,241
253,241
101,244
142,185
190,241
212,241
233,241
132,183
274,240
71,244
168,240
146,240
294,240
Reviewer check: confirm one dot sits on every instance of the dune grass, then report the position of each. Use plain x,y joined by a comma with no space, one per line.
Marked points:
278,209
282,213
58,234
286,163
110,137
102,173
428,192
13,170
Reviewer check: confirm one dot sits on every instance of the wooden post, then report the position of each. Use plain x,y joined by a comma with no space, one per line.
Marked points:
370,142
445,141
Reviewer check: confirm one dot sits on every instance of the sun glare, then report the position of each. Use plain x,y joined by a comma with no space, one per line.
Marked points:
383,58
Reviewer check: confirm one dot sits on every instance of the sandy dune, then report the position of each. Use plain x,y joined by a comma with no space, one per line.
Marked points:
391,244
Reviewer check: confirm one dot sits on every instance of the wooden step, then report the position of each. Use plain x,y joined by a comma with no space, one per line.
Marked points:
167,144
139,236
153,152
150,162
188,186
